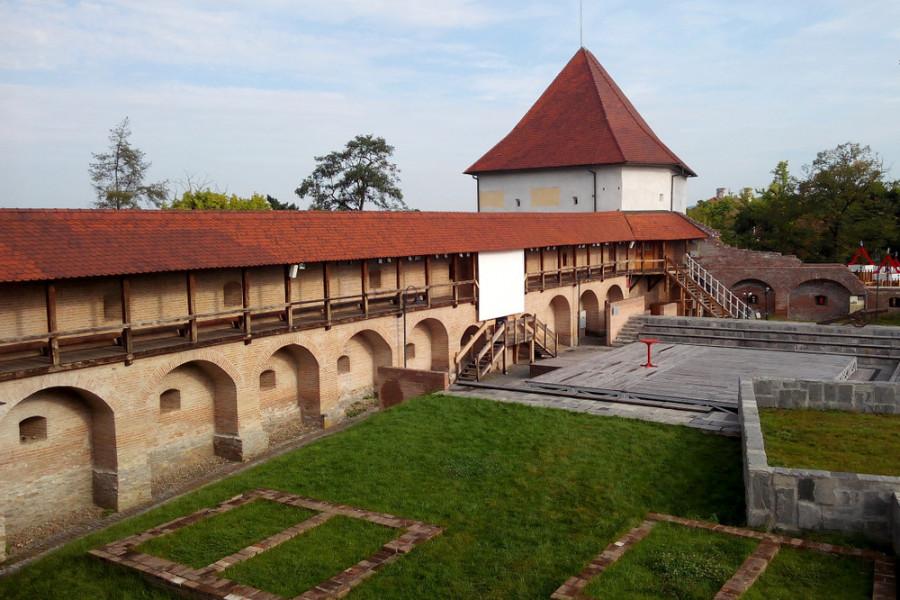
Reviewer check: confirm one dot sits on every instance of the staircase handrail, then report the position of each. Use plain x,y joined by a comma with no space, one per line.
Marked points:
727,299
468,345
489,347
543,339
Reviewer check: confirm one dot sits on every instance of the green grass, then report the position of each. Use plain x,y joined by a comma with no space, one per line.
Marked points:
210,539
309,559
526,497
798,574
673,562
832,440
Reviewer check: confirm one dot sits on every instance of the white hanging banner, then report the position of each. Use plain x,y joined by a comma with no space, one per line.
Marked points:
501,284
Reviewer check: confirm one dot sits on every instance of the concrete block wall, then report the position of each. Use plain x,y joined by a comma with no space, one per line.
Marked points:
796,499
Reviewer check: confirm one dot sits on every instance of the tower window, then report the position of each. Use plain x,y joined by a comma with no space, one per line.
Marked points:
169,401
32,429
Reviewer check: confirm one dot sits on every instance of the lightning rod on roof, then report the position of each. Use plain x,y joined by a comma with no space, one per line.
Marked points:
581,23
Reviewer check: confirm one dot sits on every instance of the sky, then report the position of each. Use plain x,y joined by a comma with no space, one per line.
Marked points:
244,95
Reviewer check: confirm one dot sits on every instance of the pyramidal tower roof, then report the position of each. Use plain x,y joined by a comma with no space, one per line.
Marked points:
582,119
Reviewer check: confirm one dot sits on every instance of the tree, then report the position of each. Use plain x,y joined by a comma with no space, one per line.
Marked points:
348,179
210,200
118,174
277,204
842,190
721,213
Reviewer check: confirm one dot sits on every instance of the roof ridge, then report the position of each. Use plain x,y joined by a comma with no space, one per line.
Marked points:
590,58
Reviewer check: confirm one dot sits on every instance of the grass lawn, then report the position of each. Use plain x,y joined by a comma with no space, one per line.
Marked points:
319,554
794,574
526,497
832,440
206,541
673,562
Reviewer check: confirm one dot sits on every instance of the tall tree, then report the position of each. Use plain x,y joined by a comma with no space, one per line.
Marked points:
118,174
349,179
277,204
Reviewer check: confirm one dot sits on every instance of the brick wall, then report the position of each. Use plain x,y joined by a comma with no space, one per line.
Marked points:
399,385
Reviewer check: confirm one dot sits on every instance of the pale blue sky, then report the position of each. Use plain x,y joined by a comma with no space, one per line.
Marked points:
245,94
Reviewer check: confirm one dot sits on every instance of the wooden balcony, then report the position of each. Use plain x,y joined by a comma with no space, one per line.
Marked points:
567,276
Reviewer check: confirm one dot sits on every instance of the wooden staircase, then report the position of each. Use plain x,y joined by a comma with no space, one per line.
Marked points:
707,294
486,352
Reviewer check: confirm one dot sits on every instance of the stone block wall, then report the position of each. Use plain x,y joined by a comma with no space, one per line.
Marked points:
795,499
895,520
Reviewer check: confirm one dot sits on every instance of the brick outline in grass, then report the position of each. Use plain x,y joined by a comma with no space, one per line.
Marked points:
207,582
884,584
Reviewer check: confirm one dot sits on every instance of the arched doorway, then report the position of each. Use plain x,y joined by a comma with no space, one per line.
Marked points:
289,387
428,346
561,319
614,294
57,456
197,419
591,319
818,300
758,295
358,365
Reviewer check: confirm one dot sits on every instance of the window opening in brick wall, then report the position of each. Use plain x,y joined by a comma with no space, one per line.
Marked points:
894,302
410,351
375,279
112,307
752,299
233,294
343,364
32,429
170,400
821,300
267,380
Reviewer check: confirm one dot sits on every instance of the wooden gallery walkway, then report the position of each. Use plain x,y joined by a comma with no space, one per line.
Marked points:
692,372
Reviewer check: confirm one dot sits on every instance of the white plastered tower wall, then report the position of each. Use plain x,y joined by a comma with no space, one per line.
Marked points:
571,189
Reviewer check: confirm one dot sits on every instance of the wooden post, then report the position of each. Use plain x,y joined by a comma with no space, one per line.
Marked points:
589,263
453,280
505,347
245,303
602,264
643,264
192,305
543,277
288,298
53,341
364,277
428,279
558,267
515,340
326,292
575,263
399,282
127,337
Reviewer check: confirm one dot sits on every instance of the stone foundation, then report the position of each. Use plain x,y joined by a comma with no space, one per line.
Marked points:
809,499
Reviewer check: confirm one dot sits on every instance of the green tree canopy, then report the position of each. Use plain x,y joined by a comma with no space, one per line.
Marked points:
349,179
117,175
210,200
843,198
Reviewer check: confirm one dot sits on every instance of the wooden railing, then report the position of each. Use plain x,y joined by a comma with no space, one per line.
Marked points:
563,276
125,341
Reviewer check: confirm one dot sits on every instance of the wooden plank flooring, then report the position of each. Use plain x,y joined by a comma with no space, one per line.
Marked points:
696,372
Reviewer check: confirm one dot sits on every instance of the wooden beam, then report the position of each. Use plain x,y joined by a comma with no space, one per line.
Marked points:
50,301
192,305
543,277
127,338
364,281
326,292
400,283
288,297
453,279
428,279
575,263
245,303
602,264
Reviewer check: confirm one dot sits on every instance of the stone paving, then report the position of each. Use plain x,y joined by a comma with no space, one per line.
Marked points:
207,582
885,577
718,422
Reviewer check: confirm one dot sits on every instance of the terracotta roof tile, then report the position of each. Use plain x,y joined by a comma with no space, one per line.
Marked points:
58,244
583,118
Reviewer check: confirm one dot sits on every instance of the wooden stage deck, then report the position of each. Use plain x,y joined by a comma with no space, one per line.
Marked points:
694,372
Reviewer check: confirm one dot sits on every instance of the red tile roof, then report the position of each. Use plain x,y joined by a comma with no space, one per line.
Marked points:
582,119
58,244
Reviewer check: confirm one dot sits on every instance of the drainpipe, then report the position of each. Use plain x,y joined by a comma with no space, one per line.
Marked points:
594,173
477,193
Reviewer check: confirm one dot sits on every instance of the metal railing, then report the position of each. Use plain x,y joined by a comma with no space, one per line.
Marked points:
723,296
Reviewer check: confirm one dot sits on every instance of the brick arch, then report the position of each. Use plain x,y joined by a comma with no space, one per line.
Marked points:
560,316
595,317
366,351
802,300
432,345
205,356
297,390
614,294
72,468
750,287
